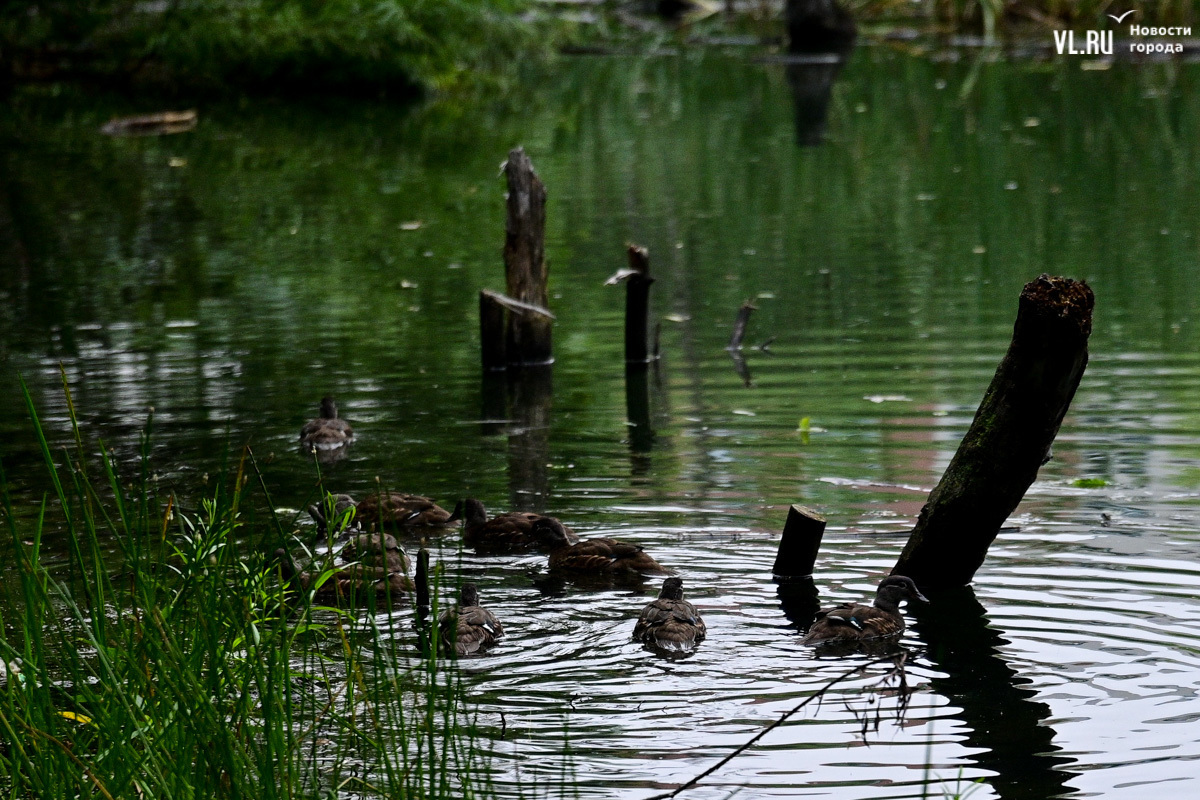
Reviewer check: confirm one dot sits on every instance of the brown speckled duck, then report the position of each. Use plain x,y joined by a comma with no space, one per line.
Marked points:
326,431
391,510
469,628
593,555
854,621
670,622
511,530
354,583
377,550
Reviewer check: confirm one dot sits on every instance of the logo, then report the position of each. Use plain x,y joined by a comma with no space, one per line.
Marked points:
1100,43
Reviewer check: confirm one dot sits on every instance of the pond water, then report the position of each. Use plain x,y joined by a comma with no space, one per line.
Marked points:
231,276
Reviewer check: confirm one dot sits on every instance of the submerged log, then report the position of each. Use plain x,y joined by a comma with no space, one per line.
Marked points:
529,335
1010,437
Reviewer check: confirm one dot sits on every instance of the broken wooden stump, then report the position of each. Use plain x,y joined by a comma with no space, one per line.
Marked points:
799,543
528,338
1010,437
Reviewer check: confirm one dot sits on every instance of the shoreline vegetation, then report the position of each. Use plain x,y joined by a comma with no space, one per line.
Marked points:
407,48
165,658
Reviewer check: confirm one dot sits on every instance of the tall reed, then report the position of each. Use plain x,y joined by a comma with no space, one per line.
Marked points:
165,658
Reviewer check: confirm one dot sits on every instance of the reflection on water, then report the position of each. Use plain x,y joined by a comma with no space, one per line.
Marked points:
231,276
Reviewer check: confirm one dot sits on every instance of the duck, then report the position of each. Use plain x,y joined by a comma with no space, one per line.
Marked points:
670,622
326,432
377,550
857,621
469,628
355,582
510,530
600,555
391,510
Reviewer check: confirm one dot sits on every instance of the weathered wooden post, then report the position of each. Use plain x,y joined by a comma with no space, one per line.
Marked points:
637,306
799,544
1010,437
492,332
739,326
529,335
794,562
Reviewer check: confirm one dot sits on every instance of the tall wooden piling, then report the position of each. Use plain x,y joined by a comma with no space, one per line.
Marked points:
1010,437
637,306
529,335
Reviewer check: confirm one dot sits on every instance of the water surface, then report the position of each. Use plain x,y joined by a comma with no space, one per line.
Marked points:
231,276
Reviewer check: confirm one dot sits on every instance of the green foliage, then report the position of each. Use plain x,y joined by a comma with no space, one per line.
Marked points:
990,16
185,670
356,46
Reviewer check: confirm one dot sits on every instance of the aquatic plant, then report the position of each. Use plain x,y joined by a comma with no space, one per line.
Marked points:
165,658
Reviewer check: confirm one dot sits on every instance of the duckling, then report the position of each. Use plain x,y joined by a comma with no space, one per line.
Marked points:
391,510
326,431
670,622
851,621
592,555
359,582
377,550
469,628
510,530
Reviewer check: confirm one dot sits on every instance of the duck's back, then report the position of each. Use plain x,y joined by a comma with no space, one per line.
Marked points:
670,623
605,555
474,629
853,621
401,510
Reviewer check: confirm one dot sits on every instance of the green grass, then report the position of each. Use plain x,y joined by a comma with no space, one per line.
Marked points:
272,46
165,660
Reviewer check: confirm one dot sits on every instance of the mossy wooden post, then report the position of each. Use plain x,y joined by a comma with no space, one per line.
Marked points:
637,306
1010,437
528,337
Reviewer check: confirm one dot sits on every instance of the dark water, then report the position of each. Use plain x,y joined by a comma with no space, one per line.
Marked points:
231,276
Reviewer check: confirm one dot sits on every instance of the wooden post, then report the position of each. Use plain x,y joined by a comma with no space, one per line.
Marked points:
491,332
529,335
1010,437
637,306
739,326
799,544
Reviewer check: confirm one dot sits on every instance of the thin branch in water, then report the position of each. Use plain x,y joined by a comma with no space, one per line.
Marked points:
898,664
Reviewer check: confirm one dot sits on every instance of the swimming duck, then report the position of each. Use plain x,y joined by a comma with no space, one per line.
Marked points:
851,621
469,628
360,582
592,555
670,622
510,530
377,550
400,510
341,504
326,431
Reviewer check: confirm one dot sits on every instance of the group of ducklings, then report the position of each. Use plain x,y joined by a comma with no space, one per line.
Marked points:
376,564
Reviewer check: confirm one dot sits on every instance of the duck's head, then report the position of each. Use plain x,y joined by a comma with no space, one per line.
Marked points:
328,407
895,588
474,512
551,533
672,589
468,595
